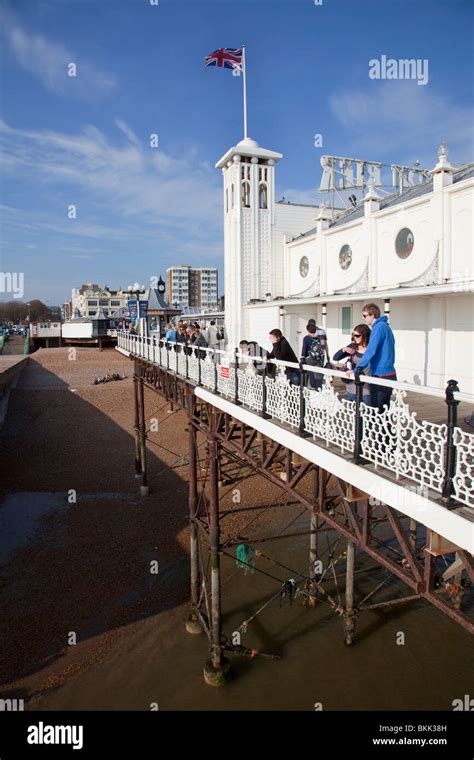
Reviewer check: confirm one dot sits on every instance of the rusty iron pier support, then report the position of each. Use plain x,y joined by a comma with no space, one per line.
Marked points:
193,624
136,427
314,570
331,504
144,488
215,669
349,612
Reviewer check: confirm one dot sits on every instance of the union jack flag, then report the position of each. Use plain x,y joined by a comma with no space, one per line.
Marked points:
226,58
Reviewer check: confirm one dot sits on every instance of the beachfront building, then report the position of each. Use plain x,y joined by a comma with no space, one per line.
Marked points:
45,334
190,287
410,252
89,299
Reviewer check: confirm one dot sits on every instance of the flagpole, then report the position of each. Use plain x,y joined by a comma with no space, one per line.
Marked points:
245,92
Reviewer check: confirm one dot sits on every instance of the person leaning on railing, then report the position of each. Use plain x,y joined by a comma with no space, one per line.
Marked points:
352,354
315,352
171,332
379,356
250,348
199,342
283,352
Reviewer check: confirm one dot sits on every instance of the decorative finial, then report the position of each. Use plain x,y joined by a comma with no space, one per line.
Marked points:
443,164
323,211
443,151
371,192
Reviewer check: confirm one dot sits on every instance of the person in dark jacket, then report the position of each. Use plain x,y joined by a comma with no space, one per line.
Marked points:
314,335
199,342
380,355
283,351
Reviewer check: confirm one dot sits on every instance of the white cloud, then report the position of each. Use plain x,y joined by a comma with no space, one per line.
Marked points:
48,61
127,131
145,189
399,121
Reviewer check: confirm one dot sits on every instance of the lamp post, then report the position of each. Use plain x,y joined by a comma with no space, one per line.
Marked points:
137,290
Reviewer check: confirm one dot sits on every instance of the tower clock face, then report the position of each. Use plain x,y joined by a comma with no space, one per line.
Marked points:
304,266
161,288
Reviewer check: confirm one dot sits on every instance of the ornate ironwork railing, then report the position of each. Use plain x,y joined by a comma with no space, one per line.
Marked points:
435,456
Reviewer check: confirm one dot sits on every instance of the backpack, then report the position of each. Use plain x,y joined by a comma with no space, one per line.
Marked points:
220,333
316,354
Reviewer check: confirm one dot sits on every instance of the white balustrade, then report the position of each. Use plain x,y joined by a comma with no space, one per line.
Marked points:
464,477
250,388
329,417
394,439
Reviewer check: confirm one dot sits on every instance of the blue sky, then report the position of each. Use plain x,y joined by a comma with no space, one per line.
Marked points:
84,140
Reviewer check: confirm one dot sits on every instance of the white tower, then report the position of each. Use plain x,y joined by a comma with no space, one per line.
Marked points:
249,222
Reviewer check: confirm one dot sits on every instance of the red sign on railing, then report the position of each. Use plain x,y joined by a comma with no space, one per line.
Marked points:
225,372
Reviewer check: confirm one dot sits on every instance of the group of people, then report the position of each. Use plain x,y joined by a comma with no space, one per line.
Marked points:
192,334
371,351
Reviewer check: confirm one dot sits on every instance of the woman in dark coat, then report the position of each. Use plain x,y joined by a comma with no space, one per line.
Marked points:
283,351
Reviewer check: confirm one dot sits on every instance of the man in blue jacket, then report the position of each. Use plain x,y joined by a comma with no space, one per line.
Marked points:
380,355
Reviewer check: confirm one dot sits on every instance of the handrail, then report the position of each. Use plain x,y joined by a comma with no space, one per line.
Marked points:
426,390
438,456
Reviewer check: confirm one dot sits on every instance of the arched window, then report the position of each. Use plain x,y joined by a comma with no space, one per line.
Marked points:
245,194
262,195
232,197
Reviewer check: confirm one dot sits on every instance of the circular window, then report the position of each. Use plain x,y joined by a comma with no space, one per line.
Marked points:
345,257
404,243
304,266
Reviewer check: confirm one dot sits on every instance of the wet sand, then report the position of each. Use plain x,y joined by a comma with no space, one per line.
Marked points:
81,571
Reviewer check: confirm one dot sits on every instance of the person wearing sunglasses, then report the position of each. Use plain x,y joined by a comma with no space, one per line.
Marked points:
380,355
352,354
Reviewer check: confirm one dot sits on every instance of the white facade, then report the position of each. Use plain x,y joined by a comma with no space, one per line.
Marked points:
336,267
45,329
88,299
254,231
208,294
78,329
192,286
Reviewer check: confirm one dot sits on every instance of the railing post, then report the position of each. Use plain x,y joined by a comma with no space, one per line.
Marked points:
357,419
186,359
176,363
154,349
302,399
264,413
236,384
450,455
167,355
216,385
199,368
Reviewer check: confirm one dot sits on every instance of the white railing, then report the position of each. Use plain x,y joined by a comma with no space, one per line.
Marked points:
437,456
